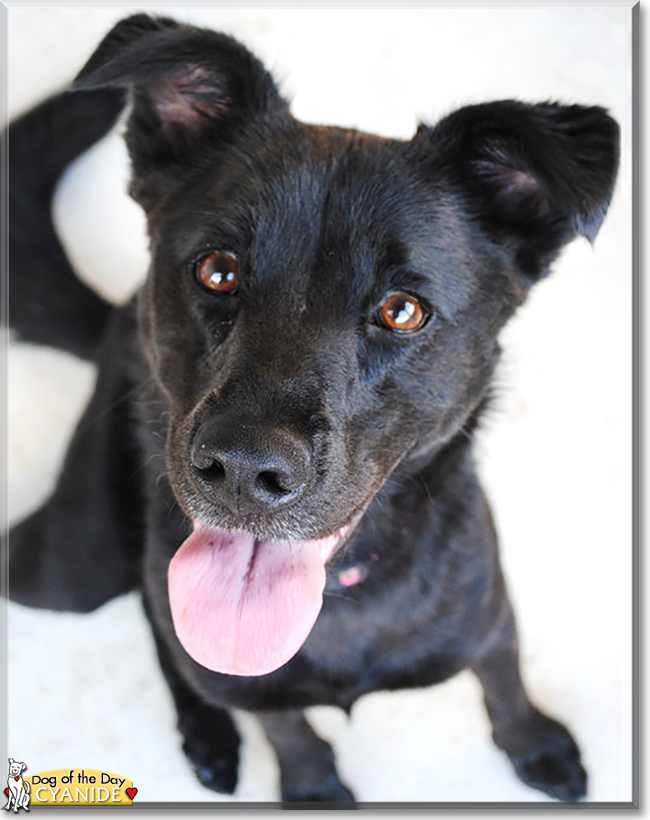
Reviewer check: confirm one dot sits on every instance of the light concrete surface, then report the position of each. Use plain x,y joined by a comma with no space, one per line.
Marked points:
555,453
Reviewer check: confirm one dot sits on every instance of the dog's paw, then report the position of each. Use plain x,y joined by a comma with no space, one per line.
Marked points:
555,770
220,775
328,794
551,763
214,768
211,744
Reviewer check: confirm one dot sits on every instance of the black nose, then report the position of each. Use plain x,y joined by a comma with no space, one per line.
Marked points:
250,468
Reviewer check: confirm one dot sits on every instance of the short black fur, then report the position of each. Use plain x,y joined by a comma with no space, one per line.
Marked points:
325,224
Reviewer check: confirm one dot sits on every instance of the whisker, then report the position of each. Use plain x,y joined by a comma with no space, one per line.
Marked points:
340,595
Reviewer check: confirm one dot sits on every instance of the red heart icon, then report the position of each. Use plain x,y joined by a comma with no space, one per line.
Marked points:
7,792
16,778
132,792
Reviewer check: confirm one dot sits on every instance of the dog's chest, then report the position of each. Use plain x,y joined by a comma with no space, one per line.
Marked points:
360,645
336,666
368,644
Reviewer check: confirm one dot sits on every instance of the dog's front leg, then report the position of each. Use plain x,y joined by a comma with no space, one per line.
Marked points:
210,738
307,770
544,754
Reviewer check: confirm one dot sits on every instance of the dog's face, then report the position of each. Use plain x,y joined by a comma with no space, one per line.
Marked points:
323,305
15,768
319,306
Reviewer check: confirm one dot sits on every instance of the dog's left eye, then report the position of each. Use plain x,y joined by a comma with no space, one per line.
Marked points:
402,313
218,271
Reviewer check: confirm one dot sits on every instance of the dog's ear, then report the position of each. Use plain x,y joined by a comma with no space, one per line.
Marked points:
534,176
190,86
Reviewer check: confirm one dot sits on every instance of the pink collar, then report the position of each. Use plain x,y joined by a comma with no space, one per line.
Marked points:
355,574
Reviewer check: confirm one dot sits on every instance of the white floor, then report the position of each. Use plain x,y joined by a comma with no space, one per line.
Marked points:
556,455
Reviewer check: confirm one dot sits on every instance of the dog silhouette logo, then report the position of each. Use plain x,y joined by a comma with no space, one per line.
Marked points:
17,790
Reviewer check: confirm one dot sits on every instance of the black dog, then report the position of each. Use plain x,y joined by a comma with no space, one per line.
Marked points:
287,406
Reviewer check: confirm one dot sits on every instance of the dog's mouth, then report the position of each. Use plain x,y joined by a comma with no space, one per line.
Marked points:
244,606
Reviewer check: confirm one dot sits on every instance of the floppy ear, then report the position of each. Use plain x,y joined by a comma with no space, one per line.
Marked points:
533,176
190,87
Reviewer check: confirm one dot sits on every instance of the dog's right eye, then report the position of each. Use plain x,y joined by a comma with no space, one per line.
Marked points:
219,272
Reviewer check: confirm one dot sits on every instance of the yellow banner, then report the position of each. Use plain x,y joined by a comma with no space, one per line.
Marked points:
79,787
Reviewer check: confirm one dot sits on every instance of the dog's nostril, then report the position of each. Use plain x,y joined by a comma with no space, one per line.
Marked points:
273,483
211,469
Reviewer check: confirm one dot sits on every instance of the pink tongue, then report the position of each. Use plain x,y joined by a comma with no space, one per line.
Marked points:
242,606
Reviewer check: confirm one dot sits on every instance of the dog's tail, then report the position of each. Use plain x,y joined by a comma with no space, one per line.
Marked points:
48,304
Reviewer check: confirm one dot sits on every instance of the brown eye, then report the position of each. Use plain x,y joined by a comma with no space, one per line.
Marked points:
402,313
219,272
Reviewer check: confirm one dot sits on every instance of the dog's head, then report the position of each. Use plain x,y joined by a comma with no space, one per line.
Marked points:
323,304
15,767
